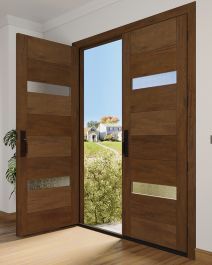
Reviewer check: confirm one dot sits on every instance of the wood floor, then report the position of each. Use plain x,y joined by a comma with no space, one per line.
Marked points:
79,246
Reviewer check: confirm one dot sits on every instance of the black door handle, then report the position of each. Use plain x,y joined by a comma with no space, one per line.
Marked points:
125,144
23,144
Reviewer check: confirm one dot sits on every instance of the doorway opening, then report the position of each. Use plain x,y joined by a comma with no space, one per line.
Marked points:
103,137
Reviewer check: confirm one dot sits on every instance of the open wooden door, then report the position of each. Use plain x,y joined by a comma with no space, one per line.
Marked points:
155,134
48,131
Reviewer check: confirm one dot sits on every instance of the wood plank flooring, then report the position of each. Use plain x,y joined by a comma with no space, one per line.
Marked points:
80,246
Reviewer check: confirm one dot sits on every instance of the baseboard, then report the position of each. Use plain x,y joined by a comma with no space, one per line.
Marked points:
7,216
205,257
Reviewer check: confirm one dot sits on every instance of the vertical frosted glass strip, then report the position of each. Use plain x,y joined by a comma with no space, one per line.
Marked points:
154,190
154,80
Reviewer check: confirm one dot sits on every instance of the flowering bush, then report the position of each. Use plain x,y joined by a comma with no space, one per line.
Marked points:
102,196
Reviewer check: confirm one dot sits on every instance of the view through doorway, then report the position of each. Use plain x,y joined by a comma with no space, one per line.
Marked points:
103,137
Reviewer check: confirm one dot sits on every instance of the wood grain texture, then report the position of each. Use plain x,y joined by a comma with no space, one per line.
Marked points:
21,124
47,199
141,102
192,130
162,172
48,51
182,130
153,147
48,125
49,220
51,137
153,232
153,123
153,209
48,167
44,72
98,249
38,103
157,130
153,99
48,146
150,55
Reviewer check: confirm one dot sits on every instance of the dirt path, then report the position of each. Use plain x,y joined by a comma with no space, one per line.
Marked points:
109,148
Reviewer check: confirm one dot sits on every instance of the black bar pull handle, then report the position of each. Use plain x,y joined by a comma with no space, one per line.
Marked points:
125,144
23,144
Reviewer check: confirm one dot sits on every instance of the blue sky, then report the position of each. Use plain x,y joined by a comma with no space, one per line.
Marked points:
103,81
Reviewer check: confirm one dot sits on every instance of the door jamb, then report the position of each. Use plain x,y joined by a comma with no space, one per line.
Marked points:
117,33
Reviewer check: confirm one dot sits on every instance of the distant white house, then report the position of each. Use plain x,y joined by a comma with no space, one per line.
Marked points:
95,134
110,129
91,134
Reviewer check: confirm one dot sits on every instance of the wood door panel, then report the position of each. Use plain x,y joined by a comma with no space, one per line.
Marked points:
47,199
150,55
160,172
153,63
160,210
48,220
156,118
40,71
48,51
48,146
153,123
48,125
48,167
153,147
153,99
144,40
38,103
153,232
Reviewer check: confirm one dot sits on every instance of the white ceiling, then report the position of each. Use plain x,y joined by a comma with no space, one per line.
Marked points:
39,10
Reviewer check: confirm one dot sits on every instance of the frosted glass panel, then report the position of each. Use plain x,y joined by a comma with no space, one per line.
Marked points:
47,183
154,190
38,87
154,80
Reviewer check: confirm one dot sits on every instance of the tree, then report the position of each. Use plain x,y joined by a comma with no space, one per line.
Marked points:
109,119
91,124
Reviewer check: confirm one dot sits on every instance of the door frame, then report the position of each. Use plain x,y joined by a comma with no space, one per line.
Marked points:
116,34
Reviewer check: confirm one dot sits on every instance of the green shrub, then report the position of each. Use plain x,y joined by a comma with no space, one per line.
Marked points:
102,189
111,137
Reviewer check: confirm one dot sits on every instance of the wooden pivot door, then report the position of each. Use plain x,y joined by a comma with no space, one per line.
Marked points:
48,129
155,124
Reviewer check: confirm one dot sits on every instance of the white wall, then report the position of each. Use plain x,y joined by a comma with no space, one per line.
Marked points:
8,104
126,11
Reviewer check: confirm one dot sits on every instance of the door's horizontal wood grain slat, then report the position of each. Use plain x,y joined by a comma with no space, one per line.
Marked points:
49,51
149,208
48,167
160,172
44,72
144,40
153,147
48,125
153,123
38,222
153,232
46,199
153,99
153,63
38,103
45,146
150,55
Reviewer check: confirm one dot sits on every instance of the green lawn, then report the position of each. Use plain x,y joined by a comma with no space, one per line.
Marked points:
114,145
92,149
